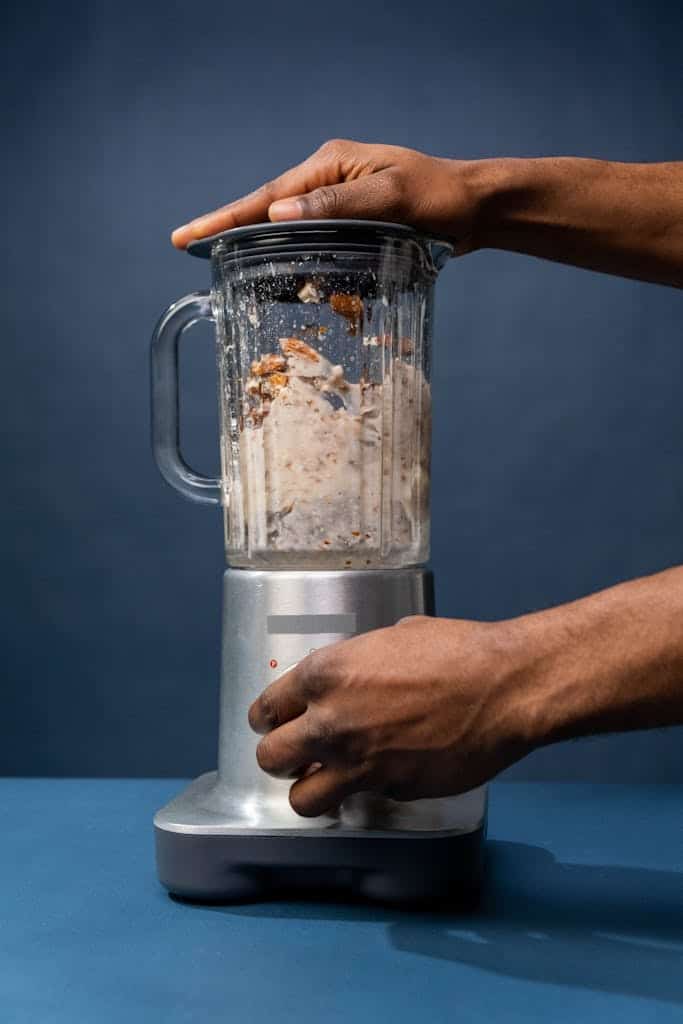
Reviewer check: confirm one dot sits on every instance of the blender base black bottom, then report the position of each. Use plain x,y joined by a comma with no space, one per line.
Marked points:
424,870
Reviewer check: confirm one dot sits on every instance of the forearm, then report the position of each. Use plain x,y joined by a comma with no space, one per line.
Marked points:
618,218
611,662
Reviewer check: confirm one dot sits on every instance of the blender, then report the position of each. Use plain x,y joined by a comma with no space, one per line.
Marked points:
323,332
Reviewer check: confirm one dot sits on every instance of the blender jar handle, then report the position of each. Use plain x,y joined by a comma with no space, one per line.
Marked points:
165,422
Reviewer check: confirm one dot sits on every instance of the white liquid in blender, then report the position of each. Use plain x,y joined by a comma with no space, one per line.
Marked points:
334,472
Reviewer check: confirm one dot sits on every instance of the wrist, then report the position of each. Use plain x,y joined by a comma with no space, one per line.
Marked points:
514,199
548,684
497,191
524,651
512,670
610,662
549,692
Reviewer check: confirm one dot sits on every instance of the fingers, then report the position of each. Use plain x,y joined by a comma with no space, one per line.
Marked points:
371,197
324,790
301,736
280,702
288,751
324,167
251,209
288,696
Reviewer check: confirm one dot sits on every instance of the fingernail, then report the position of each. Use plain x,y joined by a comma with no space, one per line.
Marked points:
175,234
285,209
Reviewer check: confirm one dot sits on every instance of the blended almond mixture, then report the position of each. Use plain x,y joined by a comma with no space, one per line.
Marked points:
335,471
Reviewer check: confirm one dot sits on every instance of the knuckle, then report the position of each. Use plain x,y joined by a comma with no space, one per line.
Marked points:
324,201
268,188
412,620
268,710
264,755
310,732
325,730
337,735
333,146
393,176
311,673
395,185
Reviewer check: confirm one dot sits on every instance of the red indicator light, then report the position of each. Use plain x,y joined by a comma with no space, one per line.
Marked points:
273,663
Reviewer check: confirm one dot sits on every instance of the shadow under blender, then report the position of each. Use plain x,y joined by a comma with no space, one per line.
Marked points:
604,928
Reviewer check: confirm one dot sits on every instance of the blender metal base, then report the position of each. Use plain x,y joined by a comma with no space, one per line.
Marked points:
201,857
232,835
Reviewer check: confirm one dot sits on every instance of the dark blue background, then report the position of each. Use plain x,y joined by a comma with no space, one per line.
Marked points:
558,451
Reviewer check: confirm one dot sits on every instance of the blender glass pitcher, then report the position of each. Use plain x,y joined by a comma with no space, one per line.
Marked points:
323,333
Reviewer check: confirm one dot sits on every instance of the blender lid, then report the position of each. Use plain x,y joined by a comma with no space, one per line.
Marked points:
271,237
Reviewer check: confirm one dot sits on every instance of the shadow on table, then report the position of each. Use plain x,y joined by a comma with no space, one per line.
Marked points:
610,929
605,928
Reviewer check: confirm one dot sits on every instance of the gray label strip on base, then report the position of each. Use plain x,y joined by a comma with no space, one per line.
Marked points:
309,625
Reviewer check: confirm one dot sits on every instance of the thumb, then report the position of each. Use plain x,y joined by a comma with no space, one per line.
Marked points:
373,197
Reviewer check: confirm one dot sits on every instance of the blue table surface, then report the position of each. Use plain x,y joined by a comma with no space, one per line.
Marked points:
582,919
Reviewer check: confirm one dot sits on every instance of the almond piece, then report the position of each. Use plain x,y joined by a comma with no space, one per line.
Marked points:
309,293
348,306
270,363
297,347
274,383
